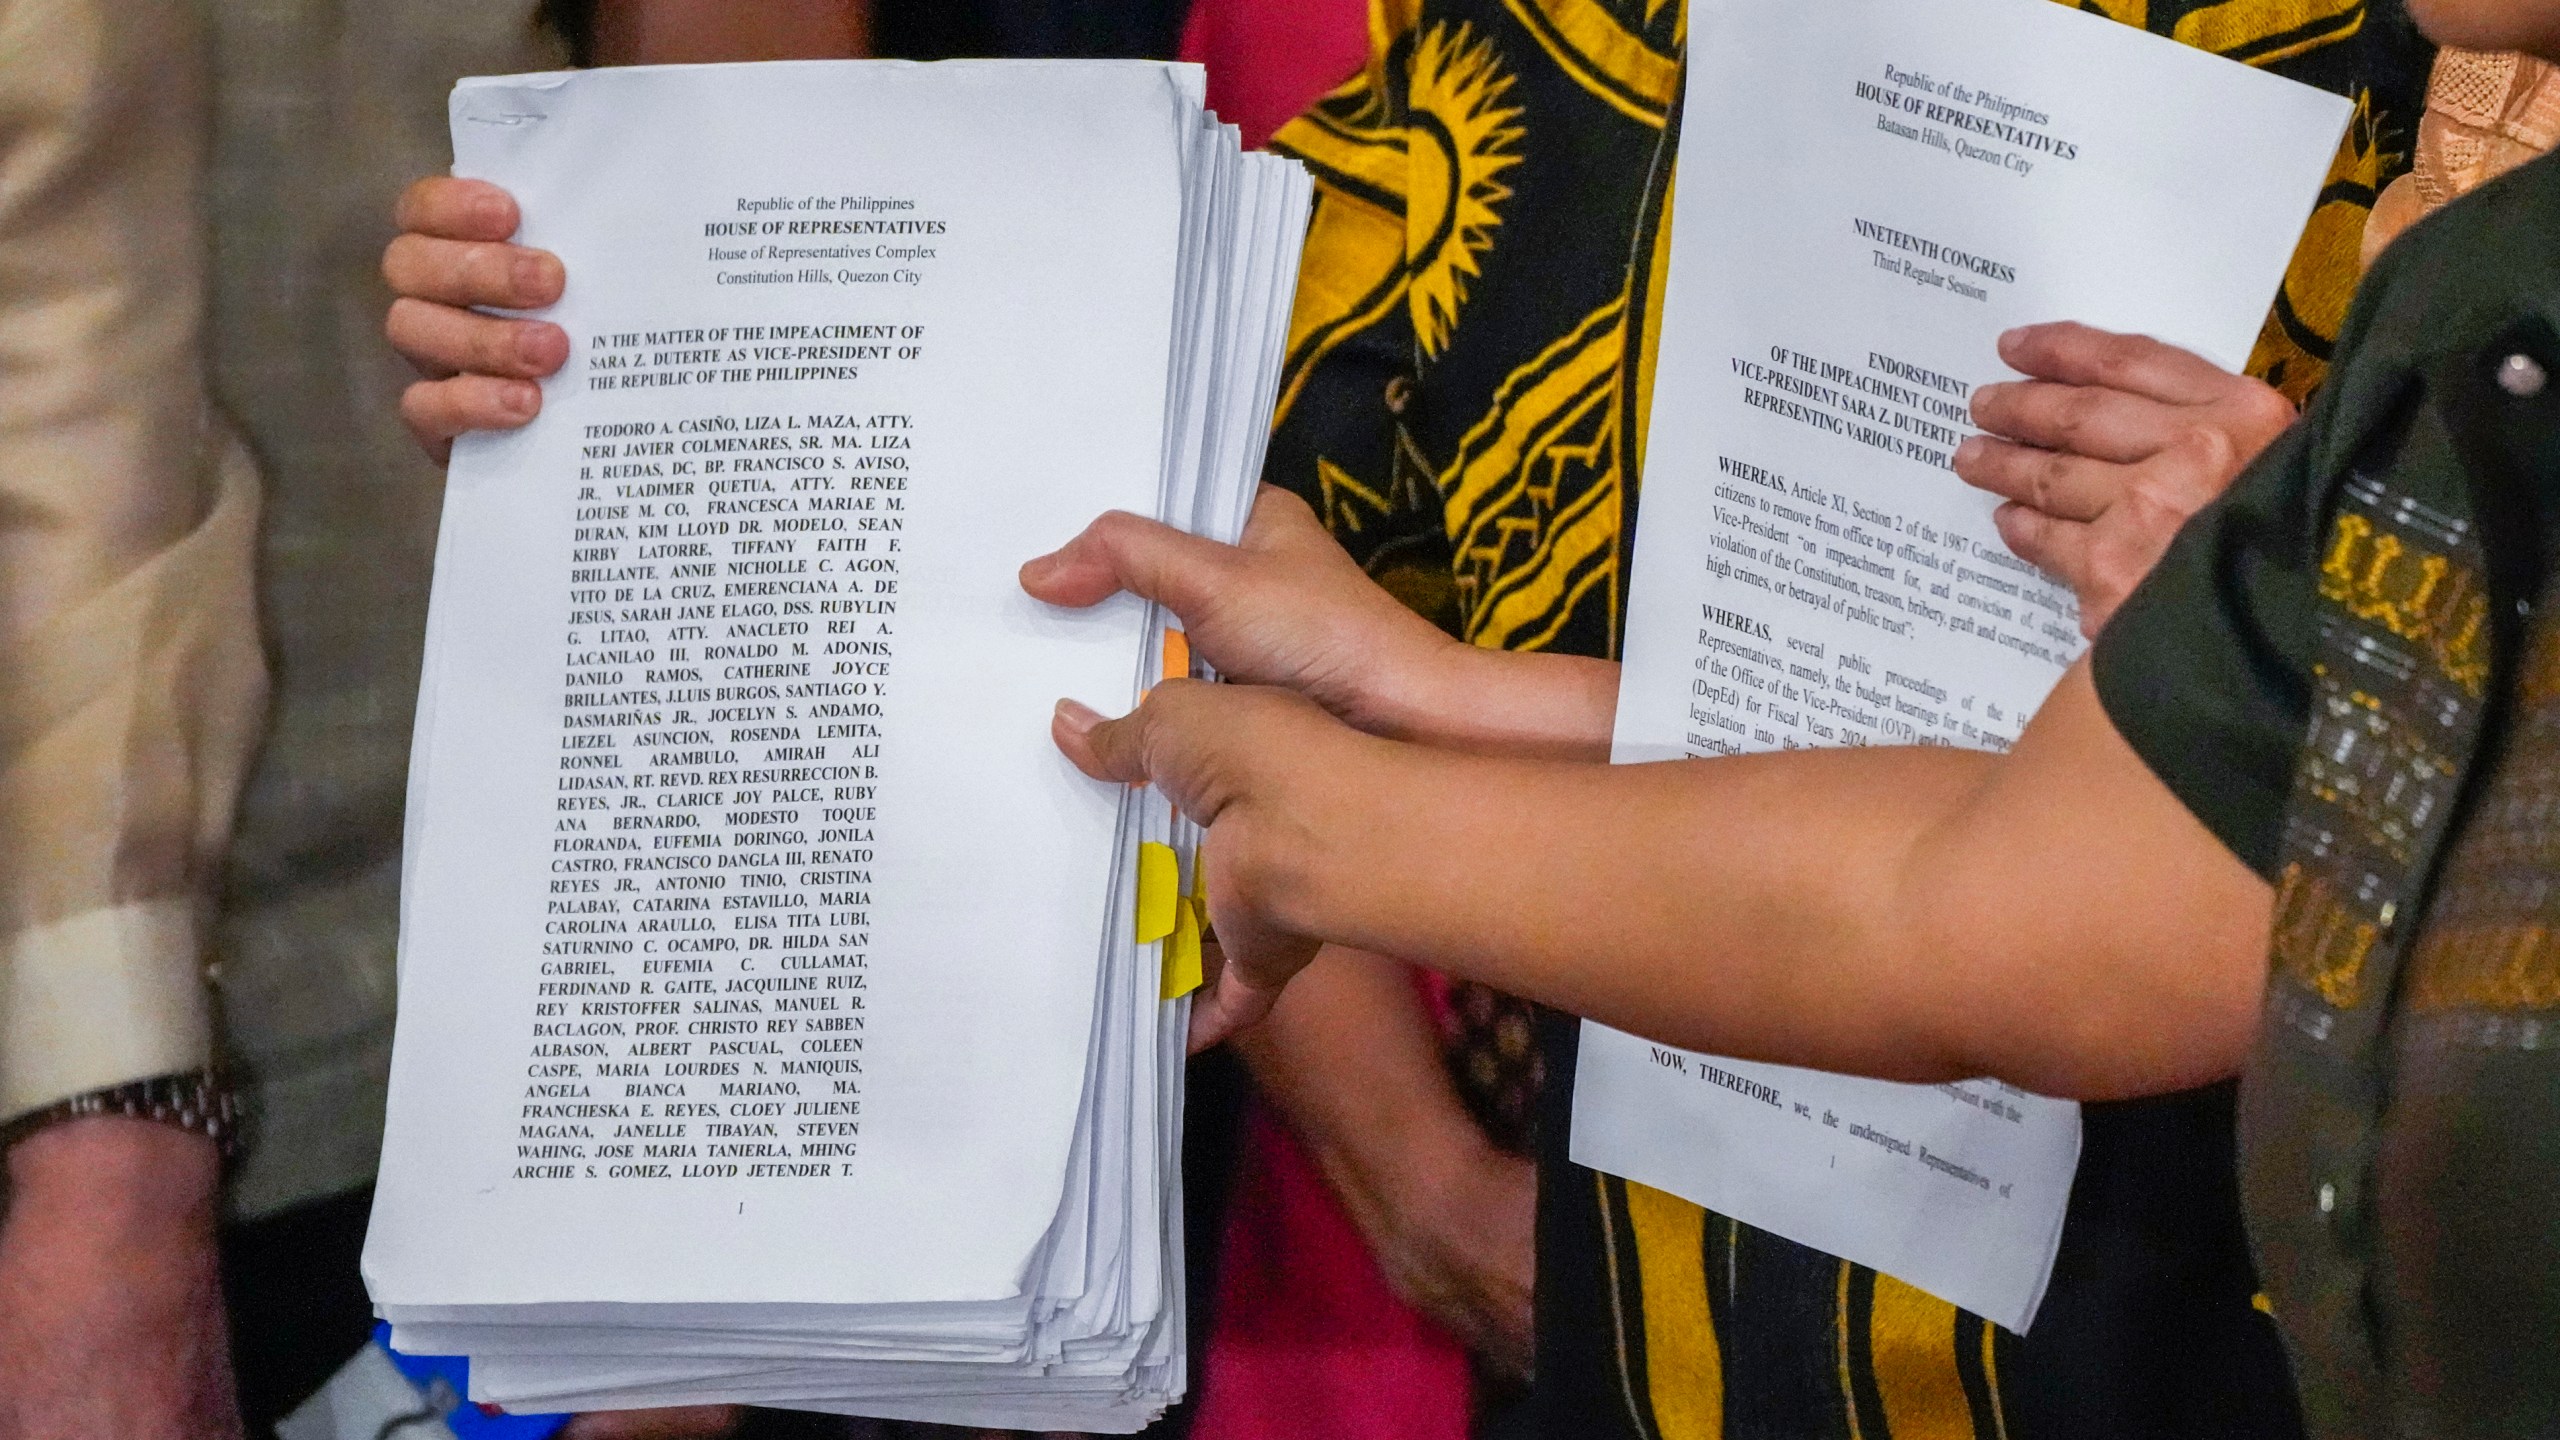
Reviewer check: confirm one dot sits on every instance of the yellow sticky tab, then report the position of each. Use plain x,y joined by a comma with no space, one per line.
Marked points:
1177,655
1182,953
1159,887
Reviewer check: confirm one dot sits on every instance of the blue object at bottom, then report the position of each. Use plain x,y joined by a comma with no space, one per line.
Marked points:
445,1380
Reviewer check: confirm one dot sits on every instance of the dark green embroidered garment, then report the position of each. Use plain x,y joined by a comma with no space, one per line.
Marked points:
2349,670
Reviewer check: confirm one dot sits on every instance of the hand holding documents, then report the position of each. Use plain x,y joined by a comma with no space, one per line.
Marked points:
782,1019
1921,177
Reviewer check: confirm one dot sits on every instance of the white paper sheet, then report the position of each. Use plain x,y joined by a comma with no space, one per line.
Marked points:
774,1024
938,1079
1888,185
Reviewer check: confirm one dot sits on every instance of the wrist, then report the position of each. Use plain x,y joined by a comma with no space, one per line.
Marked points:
1497,702
1296,866
110,1183
111,1319
1412,692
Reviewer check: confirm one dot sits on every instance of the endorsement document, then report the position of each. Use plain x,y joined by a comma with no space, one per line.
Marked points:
1894,183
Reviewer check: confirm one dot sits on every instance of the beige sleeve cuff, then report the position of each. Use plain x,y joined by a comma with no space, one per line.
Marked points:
125,729
100,1000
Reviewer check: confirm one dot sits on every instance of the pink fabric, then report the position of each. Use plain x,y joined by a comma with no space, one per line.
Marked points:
1309,1343
1270,59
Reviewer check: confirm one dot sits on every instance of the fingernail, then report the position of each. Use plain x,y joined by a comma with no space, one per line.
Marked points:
533,277
533,345
2010,338
1967,449
1078,718
521,400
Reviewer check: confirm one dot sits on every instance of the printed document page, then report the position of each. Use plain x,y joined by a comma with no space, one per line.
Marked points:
753,927
1880,189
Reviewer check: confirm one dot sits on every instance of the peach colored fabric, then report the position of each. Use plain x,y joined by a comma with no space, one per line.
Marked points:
2486,114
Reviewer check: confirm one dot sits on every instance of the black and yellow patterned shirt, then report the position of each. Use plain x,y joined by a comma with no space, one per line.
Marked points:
1469,371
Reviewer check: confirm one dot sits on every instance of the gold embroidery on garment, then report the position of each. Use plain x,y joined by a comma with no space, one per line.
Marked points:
1594,43
1408,194
2320,940
1389,22
2493,937
1537,494
2416,593
1361,283
2396,693
1462,137
2515,966
1363,162
1348,506
1363,113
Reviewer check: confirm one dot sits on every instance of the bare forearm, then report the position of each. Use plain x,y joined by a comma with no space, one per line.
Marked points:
1351,1059
1905,913
1721,906
1491,702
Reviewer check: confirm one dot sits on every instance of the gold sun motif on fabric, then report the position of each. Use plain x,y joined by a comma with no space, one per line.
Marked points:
1462,138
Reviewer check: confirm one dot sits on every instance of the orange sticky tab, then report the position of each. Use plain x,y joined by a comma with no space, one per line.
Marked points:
1182,972
1177,655
1159,891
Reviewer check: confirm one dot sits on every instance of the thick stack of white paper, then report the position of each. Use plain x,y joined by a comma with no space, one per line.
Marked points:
782,1019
